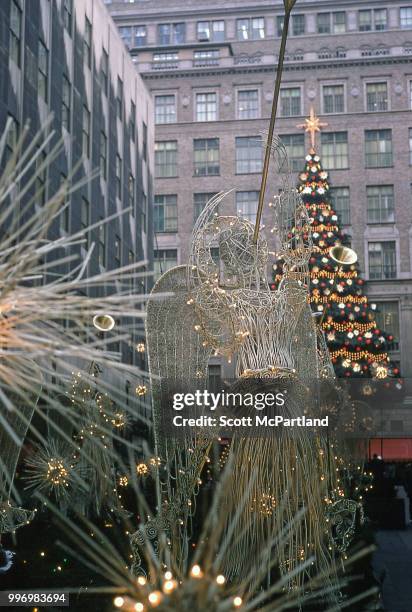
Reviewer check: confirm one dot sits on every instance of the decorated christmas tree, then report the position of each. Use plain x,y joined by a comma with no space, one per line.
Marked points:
357,346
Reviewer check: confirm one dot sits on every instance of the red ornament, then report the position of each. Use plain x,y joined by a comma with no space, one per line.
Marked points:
358,348
395,370
359,338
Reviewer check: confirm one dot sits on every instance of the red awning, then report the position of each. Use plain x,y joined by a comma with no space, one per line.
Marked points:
391,449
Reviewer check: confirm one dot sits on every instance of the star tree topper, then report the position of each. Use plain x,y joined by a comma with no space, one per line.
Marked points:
312,125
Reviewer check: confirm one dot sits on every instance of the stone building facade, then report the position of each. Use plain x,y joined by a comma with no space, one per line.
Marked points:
66,58
210,67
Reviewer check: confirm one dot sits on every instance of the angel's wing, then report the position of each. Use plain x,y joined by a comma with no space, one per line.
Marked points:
175,350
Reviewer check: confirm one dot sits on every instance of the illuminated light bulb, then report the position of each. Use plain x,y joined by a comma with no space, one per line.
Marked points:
220,579
169,586
168,575
155,598
139,607
196,572
141,580
237,602
118,602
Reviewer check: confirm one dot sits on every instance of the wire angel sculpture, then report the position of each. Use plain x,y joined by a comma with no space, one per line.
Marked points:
228,309
46,314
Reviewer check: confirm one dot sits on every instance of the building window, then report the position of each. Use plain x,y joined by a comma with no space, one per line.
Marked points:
118,176
290,101
246,204
126,35
87,43
376,97
378,148
117,252
104,73
248,154
165,213
171,33
140,35
380,204
406,17
323,22
206,106
380,17
339,22
163,260
103,155
410,146
85,220
333,99
144,141
165,109
365,21
295,149
65,214
213,31
41,179
335,152
101,244
387,319
119,98
166,158
248,104
214,378
206,156
165,61
12,137
68,15
341,203
208,57
132,122
250,28
131,191
43,70
86,132
199,202
66,103
298,25
15,32
280,20
382,260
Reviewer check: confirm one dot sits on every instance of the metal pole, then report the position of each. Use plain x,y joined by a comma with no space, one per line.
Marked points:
272,122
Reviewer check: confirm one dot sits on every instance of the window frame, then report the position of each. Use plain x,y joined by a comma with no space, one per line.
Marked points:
15,36
207,112
376,215
88,41
325,156
167,203
43,71
377,81
66,108
344,213
156,108
333,84
86,132
252,162
240,90
393,268
378,154
207,164
164,163
290,114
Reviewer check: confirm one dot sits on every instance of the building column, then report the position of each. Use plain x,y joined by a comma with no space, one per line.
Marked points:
406,335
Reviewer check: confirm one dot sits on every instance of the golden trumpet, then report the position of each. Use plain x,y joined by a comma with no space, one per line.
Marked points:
344,256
